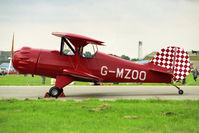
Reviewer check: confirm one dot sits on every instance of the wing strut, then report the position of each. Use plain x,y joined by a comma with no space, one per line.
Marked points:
67,43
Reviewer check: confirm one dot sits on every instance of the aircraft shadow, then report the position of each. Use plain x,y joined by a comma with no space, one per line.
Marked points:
100,95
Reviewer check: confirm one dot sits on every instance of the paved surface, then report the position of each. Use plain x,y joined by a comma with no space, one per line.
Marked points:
103,92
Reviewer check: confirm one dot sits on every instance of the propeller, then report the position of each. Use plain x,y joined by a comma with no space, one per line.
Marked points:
12,53
12,50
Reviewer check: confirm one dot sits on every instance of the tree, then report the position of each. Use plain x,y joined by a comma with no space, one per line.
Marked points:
114,55
125,57
134,59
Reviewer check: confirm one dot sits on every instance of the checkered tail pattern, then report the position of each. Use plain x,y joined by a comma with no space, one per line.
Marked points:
175,59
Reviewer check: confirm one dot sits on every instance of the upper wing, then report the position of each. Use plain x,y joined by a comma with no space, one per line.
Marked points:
78,40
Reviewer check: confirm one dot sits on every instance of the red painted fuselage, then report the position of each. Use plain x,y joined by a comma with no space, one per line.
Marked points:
77,61
105,67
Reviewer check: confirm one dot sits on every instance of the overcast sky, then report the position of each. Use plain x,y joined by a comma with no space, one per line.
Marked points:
119,23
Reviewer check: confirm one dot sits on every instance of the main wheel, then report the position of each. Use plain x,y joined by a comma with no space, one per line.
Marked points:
96,83
180,92
55,91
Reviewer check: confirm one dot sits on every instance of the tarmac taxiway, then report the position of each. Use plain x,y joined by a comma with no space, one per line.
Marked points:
103,92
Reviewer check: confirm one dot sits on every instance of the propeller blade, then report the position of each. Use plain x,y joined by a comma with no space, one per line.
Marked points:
12,50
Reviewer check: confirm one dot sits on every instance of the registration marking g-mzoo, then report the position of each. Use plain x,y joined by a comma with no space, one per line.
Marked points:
124,73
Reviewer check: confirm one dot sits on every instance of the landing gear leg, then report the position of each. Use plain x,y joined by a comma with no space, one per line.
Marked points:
57,90
180,92
62,93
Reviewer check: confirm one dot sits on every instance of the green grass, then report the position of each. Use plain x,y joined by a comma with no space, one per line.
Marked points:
36,80
22,80
90,116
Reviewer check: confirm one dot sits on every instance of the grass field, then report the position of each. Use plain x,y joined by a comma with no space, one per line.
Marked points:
36,80
94,116
22,80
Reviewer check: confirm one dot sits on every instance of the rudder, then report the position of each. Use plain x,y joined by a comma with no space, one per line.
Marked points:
175,59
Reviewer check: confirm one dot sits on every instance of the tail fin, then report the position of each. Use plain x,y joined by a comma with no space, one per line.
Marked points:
175,59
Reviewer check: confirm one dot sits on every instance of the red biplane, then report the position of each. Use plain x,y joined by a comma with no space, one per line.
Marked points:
80,60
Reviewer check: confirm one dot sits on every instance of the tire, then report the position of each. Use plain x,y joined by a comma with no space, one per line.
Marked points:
180,92
96,83
55,91
61,90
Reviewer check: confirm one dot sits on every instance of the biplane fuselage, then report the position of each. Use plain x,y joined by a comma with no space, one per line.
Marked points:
105,67
75,63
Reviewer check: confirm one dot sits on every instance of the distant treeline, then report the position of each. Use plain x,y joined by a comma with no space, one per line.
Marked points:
125,57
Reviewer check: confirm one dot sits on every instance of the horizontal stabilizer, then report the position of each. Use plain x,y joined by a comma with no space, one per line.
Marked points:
159,69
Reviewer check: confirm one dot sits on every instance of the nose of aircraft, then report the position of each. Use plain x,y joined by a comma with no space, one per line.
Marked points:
25,60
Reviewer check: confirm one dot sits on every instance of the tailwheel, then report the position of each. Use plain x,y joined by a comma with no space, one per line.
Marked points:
55,91
180,92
